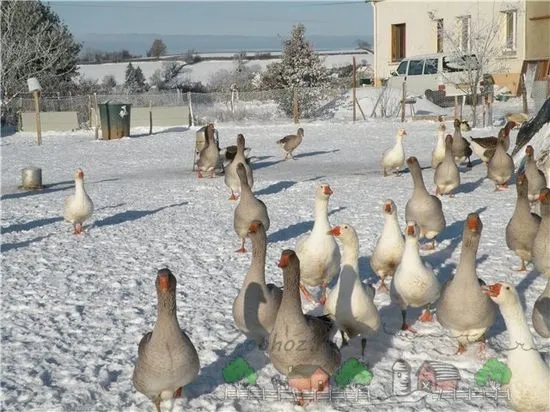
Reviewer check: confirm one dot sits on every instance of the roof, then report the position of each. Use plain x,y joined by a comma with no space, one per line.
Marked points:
443,371
304,371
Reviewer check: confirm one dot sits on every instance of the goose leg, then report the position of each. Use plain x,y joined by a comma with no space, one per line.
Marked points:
306,293
344,339
78,228
363,346
242,248
428,246
178,392
382,287
156,401
523,268
323,298
385,173
405,325
426,315
461,349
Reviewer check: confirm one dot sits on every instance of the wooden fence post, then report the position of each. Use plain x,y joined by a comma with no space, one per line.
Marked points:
36,95
89,110
150,117
191,117
97,121
353,86
524,94
295,110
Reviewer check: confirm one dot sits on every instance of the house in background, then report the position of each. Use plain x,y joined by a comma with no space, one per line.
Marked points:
409,28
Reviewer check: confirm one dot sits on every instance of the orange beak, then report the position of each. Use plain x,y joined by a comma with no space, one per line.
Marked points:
164,282
410,230
492,290
529,151
542,196
80,175
387,207
335,231
283,262
327,190
253,228
473,223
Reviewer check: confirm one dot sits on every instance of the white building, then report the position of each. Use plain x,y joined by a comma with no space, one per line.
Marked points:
405,28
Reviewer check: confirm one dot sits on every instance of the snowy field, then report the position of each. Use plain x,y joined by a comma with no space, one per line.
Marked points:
75,307
202,71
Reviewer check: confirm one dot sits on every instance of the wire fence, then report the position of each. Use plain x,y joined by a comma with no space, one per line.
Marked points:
274,105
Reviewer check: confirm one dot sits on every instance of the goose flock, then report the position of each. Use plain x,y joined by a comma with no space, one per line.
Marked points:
273,316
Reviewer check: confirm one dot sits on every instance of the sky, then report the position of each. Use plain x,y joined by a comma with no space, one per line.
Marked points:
268,18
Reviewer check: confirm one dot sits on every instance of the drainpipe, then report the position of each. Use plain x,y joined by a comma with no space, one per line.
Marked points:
375,44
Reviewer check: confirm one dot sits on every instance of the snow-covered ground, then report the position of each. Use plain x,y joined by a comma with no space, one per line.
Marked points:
75,307
202,71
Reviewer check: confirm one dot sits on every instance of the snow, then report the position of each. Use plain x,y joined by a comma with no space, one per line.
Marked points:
75,307
202,71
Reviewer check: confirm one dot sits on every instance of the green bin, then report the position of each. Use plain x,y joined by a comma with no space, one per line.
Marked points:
115,119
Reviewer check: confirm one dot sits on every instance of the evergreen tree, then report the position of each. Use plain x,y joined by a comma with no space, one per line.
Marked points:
34,43
134,80
300,69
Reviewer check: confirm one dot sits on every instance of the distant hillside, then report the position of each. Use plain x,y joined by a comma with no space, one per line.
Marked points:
140,43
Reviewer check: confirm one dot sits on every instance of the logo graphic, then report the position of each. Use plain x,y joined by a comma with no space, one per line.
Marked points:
237,370
435,376
494,372
401,378
353,372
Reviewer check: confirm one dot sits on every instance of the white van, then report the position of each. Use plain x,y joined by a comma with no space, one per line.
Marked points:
433,73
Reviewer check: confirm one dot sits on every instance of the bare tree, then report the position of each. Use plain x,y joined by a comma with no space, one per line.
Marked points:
34,43
473,50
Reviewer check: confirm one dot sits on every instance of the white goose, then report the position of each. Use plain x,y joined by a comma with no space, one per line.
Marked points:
78,207
414,283
318,253
438,154
350,303
530,381
395,157
389,246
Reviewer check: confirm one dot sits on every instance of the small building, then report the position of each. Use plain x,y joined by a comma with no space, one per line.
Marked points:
308,377
434,376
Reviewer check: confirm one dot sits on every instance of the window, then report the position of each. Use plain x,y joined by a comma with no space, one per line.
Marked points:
430,67
415,67
510,30
397,42
439,34
402,68
464,33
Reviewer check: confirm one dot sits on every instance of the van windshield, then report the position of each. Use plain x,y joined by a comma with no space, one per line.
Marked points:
402,68
460,63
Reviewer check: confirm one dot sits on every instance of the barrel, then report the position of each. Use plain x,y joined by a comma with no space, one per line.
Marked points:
31,178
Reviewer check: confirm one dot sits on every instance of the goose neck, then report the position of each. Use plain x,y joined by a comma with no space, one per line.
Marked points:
418,180
520,335
321,215
350,255
291,302
257,265
467,261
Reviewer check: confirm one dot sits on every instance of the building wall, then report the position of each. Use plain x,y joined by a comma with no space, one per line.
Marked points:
537,30
421,33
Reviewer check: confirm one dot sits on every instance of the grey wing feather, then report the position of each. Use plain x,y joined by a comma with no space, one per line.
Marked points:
143,342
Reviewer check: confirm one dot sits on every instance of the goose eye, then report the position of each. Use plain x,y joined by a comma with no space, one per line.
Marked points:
507,287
